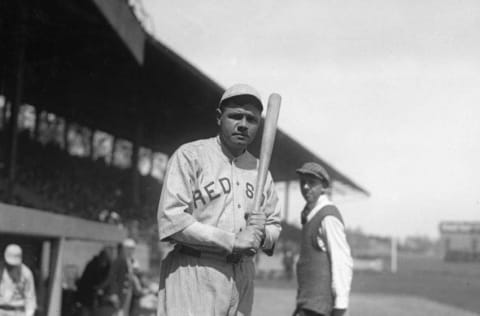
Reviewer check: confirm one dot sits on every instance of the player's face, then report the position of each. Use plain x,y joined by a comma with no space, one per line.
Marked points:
238,126
311,188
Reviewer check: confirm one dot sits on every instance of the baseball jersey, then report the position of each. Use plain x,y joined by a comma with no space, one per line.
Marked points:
18,294
204,183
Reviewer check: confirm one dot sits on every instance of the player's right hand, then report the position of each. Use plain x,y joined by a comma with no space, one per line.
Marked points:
248,238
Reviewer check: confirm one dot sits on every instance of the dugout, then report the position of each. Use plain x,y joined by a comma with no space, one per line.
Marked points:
55,247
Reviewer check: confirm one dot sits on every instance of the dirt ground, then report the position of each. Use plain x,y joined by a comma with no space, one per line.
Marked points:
422,285
270,301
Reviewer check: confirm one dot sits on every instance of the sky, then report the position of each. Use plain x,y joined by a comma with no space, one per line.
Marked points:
386,91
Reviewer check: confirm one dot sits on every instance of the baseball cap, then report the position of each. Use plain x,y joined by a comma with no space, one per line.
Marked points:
315,170
241,89
13,255
129,243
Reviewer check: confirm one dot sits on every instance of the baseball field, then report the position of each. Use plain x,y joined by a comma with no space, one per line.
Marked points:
422,286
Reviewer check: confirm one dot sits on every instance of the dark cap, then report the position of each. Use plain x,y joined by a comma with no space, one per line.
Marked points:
241,90
315,170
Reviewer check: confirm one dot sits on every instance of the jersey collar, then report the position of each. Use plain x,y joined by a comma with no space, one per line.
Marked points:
323,200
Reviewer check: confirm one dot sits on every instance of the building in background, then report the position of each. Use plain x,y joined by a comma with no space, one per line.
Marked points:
460,241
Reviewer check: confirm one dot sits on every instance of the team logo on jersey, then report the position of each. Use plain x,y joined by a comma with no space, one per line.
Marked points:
214,189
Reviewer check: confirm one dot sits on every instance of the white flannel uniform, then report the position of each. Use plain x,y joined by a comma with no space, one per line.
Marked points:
19,294
207,191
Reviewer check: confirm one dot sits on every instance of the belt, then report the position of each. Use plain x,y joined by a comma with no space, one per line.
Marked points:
231,258
12,308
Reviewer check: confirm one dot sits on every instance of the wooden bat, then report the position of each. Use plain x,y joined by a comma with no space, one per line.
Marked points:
268,139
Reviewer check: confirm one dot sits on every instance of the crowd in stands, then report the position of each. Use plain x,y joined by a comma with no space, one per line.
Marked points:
49,178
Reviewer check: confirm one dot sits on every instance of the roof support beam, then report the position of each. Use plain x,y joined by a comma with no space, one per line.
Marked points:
16,72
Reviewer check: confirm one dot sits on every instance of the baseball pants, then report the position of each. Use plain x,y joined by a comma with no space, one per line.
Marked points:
205,286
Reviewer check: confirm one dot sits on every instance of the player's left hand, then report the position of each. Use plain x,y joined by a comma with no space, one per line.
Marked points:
258,220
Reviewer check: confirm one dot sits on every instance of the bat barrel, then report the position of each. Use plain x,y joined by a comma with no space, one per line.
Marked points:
268,139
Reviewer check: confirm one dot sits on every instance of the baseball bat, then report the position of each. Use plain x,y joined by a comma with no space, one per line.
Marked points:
268,139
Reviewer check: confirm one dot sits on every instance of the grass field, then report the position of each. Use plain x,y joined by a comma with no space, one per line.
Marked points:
422,286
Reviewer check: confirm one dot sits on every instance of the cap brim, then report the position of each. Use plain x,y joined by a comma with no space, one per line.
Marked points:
257,102
309,172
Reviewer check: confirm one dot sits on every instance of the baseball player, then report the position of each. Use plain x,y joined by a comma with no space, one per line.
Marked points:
17,287
324,268
205,208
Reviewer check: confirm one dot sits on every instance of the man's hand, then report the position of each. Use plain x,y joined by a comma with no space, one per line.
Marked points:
338,312
258,220
248,238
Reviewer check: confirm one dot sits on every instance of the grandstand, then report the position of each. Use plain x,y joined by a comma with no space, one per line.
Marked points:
90,107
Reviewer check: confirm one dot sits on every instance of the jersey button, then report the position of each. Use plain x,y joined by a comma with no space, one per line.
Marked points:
238,183
239,206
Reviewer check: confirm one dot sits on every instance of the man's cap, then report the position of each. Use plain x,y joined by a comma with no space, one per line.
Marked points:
129,243
315,170
13,255
241,89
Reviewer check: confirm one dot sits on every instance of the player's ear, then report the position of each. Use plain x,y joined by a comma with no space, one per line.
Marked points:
219,115
326,189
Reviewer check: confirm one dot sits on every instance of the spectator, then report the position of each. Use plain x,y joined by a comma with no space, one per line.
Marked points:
90,285
324,268
121,280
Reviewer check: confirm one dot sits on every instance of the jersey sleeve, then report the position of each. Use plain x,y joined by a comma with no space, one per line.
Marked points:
206,236
175,206
272,209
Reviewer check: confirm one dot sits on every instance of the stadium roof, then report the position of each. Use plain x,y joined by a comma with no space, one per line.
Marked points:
91,62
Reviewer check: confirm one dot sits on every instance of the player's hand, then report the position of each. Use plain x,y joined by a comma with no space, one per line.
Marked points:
258,220
248,238
338,312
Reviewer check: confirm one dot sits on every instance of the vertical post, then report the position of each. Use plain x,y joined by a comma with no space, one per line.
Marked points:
135,193
55,286
36,128
151,162
287,200
5,112
3,80
112,152
138,138
92,145
17,71
393,255
66,129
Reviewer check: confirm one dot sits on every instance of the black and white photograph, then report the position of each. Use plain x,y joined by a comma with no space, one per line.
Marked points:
239,158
